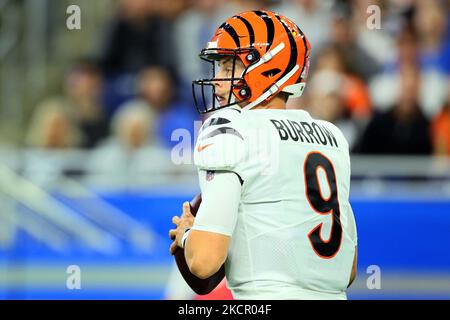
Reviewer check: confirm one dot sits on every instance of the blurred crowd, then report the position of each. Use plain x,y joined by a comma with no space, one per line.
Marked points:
387,88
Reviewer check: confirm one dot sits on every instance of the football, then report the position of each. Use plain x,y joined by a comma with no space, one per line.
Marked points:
200,286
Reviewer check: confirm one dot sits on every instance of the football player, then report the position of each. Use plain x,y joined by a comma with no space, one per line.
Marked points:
275,183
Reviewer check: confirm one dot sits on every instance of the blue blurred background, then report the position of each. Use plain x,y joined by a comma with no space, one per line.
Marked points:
127,256
91,120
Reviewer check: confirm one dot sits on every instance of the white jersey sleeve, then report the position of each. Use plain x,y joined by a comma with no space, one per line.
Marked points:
219,152
221,193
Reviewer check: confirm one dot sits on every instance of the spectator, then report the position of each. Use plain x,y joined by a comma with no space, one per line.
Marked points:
234,6
132,153
133,127
53,127
326,103
170,9
353,90
83,85
139,36
343,35
156,90
52,130
376,42
430,23
441,129
403,129
384,88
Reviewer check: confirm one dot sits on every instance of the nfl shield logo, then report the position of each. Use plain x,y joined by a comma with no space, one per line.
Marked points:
209,175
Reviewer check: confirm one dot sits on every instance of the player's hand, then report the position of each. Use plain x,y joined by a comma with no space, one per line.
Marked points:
182,223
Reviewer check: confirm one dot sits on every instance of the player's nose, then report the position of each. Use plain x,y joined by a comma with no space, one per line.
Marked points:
217,83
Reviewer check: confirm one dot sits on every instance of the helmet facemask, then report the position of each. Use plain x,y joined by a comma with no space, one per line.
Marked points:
239,90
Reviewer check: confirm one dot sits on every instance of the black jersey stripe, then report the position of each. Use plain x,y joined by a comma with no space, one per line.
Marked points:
215,122
223,130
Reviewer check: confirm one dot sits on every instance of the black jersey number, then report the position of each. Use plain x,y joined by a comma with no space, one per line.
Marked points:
325,249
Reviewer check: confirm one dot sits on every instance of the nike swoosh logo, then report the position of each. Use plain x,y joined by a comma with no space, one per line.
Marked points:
201,148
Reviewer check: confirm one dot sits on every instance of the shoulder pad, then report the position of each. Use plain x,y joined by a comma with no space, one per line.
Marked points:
221,141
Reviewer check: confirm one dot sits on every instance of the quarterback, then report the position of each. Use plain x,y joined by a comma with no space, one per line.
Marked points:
275,183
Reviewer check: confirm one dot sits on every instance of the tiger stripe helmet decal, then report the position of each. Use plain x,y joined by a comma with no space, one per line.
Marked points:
274,51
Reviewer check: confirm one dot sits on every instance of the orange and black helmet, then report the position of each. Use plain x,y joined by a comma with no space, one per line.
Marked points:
274,51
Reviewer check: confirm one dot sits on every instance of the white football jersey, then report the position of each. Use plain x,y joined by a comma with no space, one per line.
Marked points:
295,233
